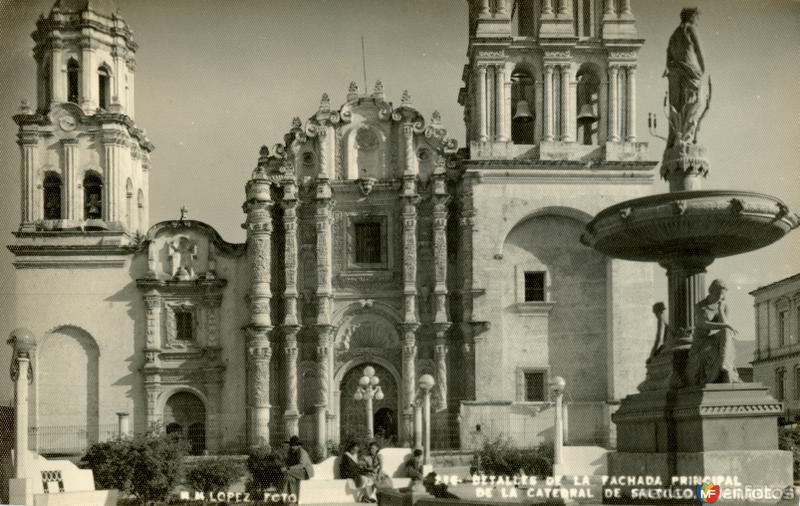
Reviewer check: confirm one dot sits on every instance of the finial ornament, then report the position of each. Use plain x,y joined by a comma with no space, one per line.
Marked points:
405,98
436,118
25,107
378,88
296,122
184,212
325,103
352,91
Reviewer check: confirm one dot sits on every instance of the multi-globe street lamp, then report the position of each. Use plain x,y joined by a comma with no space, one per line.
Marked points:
368,389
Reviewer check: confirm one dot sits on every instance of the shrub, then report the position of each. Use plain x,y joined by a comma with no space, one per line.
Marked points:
499,456
214,474
789,439
147,465
265,465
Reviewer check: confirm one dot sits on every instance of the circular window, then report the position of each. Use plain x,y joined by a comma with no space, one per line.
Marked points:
423,155
308,158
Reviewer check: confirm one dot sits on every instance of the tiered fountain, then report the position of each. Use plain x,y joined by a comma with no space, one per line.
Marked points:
689,418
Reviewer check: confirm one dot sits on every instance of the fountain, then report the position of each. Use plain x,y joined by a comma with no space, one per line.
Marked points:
692,416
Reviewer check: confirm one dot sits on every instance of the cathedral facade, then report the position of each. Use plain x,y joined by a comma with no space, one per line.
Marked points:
372,239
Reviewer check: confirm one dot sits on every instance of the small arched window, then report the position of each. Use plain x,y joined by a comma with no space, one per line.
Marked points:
45,81
92,197
104,87
522,108
73,80
52,196
588,97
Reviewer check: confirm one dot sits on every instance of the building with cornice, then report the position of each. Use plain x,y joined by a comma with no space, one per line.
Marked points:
372,239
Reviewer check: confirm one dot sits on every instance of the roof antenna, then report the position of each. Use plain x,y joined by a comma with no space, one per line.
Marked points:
364,63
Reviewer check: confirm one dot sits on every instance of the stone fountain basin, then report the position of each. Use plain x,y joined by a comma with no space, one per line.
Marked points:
712,223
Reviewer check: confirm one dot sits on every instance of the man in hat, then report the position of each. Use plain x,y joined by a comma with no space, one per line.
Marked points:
298,467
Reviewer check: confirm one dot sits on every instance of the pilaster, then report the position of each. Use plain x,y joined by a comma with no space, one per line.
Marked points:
630,109
613,103
71,196
290,323
87,98
113,143
28,143
549,113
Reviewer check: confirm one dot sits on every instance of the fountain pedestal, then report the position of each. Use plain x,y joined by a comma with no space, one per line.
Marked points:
718,429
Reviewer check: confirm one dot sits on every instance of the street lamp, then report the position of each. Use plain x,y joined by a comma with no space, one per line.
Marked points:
368,388
426,383
557,386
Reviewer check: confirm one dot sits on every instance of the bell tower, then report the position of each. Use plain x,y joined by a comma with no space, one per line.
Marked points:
84,162
551,80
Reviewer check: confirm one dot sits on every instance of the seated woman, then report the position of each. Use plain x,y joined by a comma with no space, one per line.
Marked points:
349,468
373,462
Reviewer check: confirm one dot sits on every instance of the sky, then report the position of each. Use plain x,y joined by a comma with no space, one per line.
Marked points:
217,79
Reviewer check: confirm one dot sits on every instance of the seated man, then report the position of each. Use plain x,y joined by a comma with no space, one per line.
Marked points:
349,468
413,466
298,467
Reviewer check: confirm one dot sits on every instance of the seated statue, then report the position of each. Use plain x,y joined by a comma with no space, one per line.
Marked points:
662,329
712,356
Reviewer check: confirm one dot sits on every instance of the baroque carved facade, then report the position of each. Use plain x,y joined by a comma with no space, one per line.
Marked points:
371,240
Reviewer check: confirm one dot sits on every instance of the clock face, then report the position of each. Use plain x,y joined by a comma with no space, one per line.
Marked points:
67,123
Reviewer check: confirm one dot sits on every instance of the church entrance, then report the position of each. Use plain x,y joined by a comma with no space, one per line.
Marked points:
353,413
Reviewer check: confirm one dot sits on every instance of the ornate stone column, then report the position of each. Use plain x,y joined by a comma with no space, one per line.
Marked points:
500,103
290,322
566,120
441,320
410,168
467,229
259,353
409,330
324,300
549,117
630,95
28,142
613,103
259,238
88,102
71,201
212,306
152,350
482,105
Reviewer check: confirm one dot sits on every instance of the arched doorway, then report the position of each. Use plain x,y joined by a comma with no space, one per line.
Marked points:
353,413
185,416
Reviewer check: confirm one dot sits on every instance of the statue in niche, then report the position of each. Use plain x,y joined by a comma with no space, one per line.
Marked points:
93,207
712,358
183,253
685,71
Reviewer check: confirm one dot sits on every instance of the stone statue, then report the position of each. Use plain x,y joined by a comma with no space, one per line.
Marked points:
712,356
685,71
93,210
661,328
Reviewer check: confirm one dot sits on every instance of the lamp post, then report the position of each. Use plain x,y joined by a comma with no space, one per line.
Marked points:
426,383
23,342
368,388
557,388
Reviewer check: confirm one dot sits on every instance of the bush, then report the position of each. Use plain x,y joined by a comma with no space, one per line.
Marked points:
213,475
148,465
789,439
499,456
265,465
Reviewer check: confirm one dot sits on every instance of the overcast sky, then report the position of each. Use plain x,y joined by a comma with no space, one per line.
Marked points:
217,79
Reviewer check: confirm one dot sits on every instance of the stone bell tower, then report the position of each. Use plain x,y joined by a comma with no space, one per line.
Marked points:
85,164
557,74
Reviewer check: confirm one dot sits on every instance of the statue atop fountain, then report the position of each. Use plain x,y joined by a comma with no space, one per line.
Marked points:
684,158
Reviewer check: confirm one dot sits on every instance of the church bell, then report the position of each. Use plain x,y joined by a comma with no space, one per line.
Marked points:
523,112
587,114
